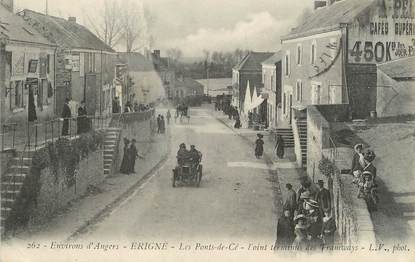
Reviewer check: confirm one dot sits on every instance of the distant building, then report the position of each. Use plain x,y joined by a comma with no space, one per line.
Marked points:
84,64
271,79
249,70
187,87
26,71
165,70
147,86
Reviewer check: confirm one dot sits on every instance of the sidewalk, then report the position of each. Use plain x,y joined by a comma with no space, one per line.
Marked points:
89,209
287,170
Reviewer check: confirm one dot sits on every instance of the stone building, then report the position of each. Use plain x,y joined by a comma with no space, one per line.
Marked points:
84,64
331,57
27,71
271,79
147,85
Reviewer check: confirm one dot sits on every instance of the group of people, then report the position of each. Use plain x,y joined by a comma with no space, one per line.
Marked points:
136,107
364,175
278,149
129,157
182,110
83,123
192,156
307,219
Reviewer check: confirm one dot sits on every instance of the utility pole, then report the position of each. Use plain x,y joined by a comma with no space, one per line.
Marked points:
46,8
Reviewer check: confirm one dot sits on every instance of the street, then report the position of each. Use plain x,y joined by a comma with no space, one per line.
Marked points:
234,201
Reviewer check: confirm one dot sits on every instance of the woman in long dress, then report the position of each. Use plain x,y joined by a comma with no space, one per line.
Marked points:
279,147
125,159
133,154
259,146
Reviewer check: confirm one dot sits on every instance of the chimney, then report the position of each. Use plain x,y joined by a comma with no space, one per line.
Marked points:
8,4
156,54
72,19
320,3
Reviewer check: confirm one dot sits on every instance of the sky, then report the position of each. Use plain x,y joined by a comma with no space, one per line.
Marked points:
195,25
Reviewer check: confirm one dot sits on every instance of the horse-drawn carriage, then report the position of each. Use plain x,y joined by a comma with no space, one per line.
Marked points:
188,173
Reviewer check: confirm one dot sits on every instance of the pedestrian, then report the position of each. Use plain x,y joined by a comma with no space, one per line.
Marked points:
115,105
126,158
82,119
237,121
132,155
285,229
31,106
369,157
314,230
323,197
168,116
259,146
136,107
279,147
328,228
300,230
159,124
162,124
66,115
290,202
358,163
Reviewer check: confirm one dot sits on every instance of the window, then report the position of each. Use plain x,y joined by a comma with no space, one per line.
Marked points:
299,90
299,54
315,94
91,62
313,52
18,94
263,78
287,64
271,81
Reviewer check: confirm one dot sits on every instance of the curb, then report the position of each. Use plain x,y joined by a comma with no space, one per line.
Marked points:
108,208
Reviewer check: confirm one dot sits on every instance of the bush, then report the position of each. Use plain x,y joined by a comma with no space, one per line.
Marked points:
326,167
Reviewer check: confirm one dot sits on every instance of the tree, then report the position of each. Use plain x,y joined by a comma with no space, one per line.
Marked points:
107,24
174,54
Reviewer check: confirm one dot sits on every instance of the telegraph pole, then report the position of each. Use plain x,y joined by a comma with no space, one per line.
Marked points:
46,8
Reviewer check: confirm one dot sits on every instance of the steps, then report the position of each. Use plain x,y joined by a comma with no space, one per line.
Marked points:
302,130
11,185
287,136
110,148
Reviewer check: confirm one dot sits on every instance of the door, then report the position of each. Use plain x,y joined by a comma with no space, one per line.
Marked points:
332,95
315,94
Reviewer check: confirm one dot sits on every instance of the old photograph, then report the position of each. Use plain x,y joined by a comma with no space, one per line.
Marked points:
207,130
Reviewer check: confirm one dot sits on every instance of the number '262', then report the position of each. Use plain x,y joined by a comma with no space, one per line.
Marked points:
379,51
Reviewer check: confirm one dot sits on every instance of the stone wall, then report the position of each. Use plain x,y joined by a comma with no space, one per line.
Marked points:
353,220
55,193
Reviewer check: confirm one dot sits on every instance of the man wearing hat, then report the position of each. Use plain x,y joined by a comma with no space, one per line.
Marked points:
323,196
194,155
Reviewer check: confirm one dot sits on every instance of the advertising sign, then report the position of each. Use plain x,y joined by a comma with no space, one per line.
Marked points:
387,33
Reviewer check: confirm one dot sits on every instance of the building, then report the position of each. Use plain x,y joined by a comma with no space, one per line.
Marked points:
146,83
271,79
396,87
331,58
187,87
27,71
249,69
84,64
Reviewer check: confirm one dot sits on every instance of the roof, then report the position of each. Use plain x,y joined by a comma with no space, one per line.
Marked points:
399,68
14,28
66,33
330,17
135,61
273,59
252,61
189,83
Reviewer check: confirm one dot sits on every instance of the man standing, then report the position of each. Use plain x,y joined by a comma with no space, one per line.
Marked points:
290,202
323,197
66,114
285,229
168,116
82,125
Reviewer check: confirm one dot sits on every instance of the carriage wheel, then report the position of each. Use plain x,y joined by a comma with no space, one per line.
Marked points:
199,177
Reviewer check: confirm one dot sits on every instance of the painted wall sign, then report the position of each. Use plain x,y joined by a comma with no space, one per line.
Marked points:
386,32
326,57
